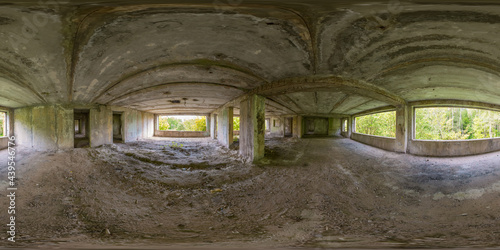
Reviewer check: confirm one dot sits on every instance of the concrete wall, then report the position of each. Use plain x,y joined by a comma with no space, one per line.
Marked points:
101,126
181,134
51,127
453,148
315,126
376,141
136,124
4,141
276,127
334,127
323,126
225,126
44,128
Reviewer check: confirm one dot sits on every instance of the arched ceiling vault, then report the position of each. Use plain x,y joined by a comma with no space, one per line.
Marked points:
305,57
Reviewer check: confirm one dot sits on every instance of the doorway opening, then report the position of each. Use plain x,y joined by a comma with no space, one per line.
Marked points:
117,127
216,120
82,128
316,126
289,127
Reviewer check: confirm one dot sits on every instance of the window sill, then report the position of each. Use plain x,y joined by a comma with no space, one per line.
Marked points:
376,136
471,140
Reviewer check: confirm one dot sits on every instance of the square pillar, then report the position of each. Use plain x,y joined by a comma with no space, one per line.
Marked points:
297,127
225,126
101,126
252,127
352,126
212,126
349,126
208,125
401,129
410,125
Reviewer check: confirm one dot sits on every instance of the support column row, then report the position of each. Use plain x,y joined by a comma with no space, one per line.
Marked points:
252,127
225,126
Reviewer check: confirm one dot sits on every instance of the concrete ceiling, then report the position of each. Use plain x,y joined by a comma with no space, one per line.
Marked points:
306,57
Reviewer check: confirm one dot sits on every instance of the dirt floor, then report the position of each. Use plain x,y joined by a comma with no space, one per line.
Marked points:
315,193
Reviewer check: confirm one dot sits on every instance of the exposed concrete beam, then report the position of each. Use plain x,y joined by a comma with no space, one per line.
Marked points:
338,104
13,99
315,82
16,81
455,60
236,103
162,86
359,105
332,115
141,73
454,103
373,111
297,109
273,102
277,107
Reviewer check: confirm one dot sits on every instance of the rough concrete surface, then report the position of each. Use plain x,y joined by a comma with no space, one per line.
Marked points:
305,193
148,55
314,61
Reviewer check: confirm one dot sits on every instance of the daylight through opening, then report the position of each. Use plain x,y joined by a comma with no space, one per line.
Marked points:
379,124
449,123
182,123
3,124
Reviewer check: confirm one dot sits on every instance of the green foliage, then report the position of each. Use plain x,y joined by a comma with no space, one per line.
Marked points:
197,124
456,124
173,123
2,124
175,145
163,123
236,123
380,124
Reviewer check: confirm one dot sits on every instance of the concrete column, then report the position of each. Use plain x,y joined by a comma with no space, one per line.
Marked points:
225,126
410,125
349,126
101,126
352,126
297,127
213,122
44,128
252,127
208,122
401,129
334,126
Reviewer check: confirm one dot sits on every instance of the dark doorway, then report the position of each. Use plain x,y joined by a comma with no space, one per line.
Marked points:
82,128
117,128
289,127
309,126
316,126
215,126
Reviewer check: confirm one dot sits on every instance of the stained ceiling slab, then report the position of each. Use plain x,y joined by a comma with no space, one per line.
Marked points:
149,55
